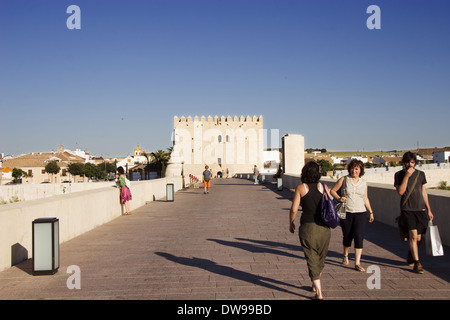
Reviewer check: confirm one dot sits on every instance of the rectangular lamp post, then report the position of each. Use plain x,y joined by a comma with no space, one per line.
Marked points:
169,192
45,246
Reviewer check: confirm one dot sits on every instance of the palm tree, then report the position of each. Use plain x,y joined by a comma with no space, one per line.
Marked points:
160,158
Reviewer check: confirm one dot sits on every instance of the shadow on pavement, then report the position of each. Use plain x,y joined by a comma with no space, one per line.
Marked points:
262,247
213,267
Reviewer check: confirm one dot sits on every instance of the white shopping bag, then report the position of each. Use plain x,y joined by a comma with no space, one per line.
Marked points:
433,241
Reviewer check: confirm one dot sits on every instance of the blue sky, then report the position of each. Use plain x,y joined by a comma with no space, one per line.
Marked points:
309,67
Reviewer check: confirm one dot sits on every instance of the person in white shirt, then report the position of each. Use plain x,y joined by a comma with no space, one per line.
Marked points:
356,206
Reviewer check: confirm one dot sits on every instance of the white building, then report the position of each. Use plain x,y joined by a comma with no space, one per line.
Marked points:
361,158
271,161
441,157
136,158
225,143
80,153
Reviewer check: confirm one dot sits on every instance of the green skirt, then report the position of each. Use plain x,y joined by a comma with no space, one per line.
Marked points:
314,240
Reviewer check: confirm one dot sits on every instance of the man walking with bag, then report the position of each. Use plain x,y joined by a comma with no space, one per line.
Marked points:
414,205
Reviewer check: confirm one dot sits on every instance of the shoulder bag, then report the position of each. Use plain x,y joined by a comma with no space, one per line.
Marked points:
328,210
402,227
340,206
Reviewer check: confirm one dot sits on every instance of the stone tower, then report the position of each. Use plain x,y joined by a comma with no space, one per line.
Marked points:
221,143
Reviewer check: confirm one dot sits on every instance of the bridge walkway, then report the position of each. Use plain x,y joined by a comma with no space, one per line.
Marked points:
232,243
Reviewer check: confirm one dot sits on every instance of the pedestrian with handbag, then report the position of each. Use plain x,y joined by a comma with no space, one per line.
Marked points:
415,208
314,235
354,194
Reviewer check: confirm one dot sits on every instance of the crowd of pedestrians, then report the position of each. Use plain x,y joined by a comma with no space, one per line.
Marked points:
351,190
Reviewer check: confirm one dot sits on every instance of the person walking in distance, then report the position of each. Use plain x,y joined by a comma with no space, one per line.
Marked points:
415,208
256,174
207,179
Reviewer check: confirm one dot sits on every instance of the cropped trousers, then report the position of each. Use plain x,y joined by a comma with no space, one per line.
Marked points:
314,239
353,228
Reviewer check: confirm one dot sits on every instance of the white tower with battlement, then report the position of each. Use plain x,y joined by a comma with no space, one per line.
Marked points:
221,143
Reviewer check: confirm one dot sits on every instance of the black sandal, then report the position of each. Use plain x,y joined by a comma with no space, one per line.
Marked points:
345,260
359,268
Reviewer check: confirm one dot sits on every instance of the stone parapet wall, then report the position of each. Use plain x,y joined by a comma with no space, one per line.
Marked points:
77,213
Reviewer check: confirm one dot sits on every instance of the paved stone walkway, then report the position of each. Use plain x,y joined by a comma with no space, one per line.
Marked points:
233,243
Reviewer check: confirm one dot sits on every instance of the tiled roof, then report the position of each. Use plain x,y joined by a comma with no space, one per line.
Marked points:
41,159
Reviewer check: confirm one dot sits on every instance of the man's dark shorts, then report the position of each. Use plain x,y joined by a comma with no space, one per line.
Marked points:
415,220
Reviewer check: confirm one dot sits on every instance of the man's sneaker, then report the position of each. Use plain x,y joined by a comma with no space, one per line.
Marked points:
418,267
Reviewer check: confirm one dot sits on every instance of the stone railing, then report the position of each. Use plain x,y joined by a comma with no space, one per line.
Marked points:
435,173
77,212
26,192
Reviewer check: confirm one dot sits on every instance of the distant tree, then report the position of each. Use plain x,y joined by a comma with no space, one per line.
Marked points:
147,166
368,165
76,168
91,170
312,150
106,168
160,159
17,174
443,185
111,167
325,166
52,168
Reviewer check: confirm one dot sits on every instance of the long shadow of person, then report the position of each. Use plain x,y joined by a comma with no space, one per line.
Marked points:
262,247
212,266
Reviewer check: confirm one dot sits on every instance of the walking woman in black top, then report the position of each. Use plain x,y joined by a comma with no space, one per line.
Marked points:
314,235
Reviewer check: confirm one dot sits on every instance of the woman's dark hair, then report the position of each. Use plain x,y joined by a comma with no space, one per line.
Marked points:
120,170
354,163
408,156
311,172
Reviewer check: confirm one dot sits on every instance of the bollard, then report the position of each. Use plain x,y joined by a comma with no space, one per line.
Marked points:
280,184
169,192
45,246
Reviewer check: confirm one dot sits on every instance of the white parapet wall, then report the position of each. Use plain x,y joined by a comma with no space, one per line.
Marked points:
77,213
385,203
25,192
435,174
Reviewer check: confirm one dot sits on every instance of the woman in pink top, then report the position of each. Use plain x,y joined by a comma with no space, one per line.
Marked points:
125,193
